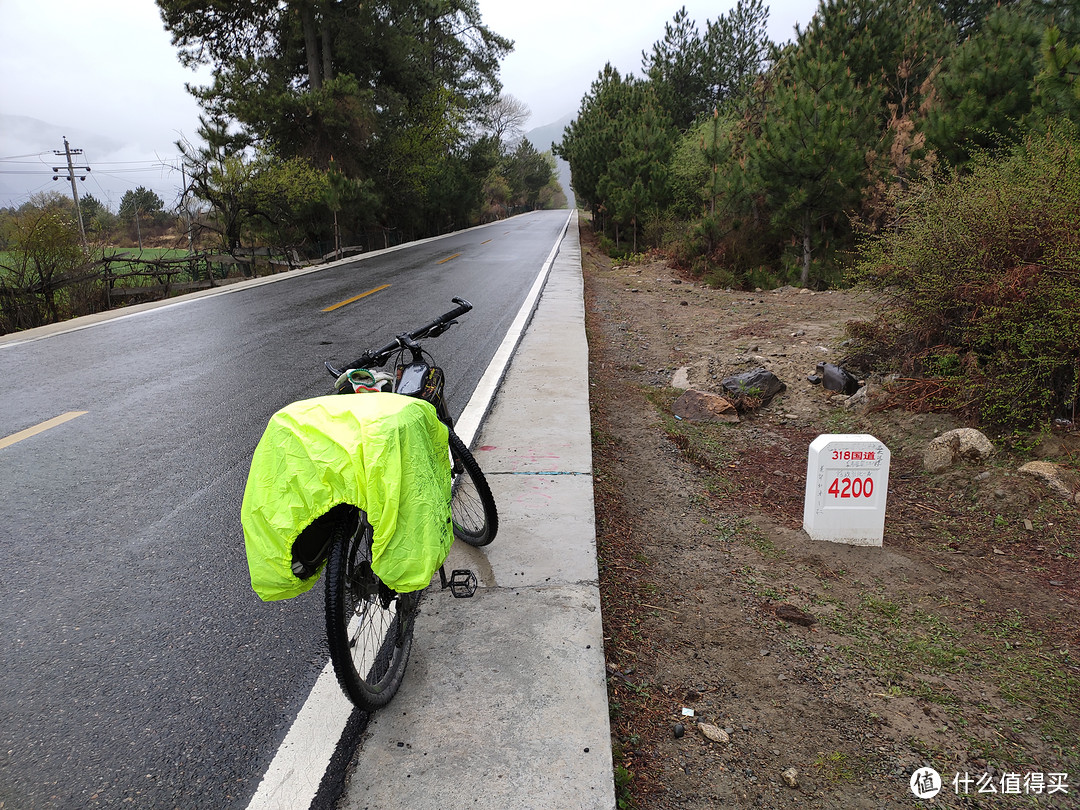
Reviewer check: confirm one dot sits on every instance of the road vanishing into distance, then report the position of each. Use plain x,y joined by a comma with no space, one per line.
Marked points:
138,667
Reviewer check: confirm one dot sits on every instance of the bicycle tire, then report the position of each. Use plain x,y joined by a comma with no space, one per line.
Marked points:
369,627
472,506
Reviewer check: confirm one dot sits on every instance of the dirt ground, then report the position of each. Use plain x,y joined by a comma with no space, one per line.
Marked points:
956,645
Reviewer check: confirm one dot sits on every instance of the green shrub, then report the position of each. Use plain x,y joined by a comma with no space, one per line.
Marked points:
980,284
725,252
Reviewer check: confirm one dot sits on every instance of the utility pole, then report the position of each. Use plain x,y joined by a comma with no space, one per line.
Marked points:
68,152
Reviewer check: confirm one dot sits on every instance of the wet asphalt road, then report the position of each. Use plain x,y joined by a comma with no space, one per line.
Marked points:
138,668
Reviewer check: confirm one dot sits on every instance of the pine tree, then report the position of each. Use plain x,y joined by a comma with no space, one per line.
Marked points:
638,176
1057,85
810,157
391,91
985,86
676,67
692,73
590,140
736,51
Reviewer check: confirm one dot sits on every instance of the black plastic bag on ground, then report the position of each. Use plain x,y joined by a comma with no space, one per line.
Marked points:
834,378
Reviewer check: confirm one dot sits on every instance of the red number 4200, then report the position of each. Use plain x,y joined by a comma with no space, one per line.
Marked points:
852,487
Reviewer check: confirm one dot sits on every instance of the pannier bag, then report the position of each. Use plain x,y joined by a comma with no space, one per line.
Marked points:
384,453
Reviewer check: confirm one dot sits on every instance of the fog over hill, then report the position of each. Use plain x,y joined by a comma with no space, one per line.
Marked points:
542,138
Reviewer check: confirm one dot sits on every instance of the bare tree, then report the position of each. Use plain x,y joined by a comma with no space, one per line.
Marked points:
506,117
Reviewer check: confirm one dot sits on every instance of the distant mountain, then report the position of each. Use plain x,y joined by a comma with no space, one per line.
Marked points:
542,138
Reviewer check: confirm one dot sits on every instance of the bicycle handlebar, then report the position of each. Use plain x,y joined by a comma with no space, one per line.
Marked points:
378,357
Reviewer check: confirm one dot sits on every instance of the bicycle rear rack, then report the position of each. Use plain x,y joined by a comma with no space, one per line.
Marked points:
462,582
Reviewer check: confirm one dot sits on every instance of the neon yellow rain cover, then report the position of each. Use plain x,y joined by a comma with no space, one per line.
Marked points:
384,453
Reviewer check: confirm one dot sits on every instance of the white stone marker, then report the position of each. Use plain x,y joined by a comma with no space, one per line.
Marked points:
847,481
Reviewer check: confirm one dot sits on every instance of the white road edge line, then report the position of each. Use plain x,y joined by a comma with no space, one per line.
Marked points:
294,775
293,778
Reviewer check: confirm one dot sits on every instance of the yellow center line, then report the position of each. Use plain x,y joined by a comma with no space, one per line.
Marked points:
7,441
486,241
355,298
448,258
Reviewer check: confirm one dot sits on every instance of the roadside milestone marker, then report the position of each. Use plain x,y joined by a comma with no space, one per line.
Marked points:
847,481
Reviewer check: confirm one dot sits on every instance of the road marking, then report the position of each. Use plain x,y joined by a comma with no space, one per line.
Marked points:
293,778
448,258
486,241
355,298
7,441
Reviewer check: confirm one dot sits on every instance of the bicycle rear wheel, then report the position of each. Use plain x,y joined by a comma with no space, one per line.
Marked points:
472,506
369,627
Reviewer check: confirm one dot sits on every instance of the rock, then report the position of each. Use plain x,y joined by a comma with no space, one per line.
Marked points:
681,380
1062,481
679,730
860,397
790,777
702,406
714,733
760,383
949,448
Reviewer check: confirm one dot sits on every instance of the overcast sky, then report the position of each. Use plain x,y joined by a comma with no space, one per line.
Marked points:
104,74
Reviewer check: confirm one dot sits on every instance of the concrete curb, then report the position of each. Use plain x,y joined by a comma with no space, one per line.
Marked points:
504,704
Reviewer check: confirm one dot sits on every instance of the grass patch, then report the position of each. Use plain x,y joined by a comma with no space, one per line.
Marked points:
703,444
837,767
904,645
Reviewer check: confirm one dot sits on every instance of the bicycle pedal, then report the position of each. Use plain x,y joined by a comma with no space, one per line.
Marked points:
462,583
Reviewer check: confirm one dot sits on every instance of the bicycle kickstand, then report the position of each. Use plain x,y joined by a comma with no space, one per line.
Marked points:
462,582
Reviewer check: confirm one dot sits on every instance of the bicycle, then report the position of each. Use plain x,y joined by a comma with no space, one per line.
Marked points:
369,627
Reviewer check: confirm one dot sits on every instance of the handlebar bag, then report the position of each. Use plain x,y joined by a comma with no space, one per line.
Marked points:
384,453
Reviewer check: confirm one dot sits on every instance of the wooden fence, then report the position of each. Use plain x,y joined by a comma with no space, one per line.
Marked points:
126,278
